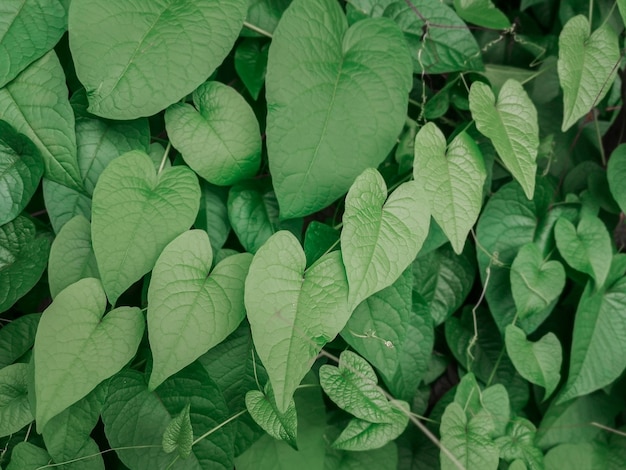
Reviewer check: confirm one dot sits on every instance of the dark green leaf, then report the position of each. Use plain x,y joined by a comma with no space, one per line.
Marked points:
15,412
17,337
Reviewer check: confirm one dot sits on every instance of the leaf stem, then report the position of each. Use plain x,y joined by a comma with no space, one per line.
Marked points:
256,29
221,425
590,16
85,457
599,137
164,159
495,367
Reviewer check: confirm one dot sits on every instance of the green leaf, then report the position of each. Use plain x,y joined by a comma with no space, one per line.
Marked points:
219,139
381,235
535,283
582,456
362,435
616,174
510,122
482,13
26,456
353,386
23,258
293,313
21,168
76,348
253,213
467,439
135,417
519,443
213,214
29,29
453,177
384,458
394,337
178,434
17,337
128,68
15,410
63,204
251,64
538,362
136,213
599,344
587,248
319,239
190,310
281,426
587,66
35,103
313,73
71,256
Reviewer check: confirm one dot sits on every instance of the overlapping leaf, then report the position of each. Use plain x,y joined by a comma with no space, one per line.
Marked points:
482,13
15,412
17,337
281,426
178,435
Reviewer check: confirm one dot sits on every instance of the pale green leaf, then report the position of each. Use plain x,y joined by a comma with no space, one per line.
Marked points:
35,103
381,235
76,348
191,308
136,213
178,434
519,444
137,58
26,456
510,122
538,362
219,138
17,337
582,456
353,386
71,256
281,426
15,412
322,76
482,13
293,313
616,173
63,204
587,66
213,214
453,177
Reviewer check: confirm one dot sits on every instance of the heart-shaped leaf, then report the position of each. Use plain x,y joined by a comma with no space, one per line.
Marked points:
128,67
313,72
190,311
17,337
510,122
136,213
219,139
293,313
251,64
587,66
76,348
15,412
538,362
482,13
453,177
178,434
381,239
520,443
281,426
535,283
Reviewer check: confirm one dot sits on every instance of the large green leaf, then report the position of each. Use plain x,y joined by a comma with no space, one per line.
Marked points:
262,408
136,213
616,175
587,66
293,313
27,456
219,139
583,456
35,103
71,256
137,58
322,76
23,258
136,420
453,177
381,236
17,337
76,348
538,362
21,168
510,122
28,29
190,310
15,412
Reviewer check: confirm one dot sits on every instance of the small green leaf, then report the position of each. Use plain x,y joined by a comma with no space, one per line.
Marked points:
519,443
538,362
318,240
178,434
213,214
219,139
510,122
281,426
587,248
482,13
26,456
17,337
15,410
136,213
127,67
362,435
251,64
190,310
535,283
293,313
453,177
76,348
616,175
587,66
71,256
381,236
353,386
63,204
21,168
313,72
265,14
